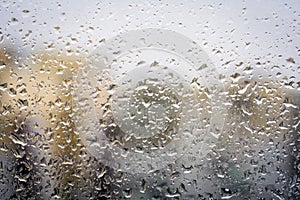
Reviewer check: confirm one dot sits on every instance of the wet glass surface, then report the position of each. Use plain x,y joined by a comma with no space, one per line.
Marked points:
149,100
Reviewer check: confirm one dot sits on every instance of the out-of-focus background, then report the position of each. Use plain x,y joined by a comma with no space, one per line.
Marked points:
254,45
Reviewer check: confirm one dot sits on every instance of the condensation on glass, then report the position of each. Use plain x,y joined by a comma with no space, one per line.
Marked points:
149,99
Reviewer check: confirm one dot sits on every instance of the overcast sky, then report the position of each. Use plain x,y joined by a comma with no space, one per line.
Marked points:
237,31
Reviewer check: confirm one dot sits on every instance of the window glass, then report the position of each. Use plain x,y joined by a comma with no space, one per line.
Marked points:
149,99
